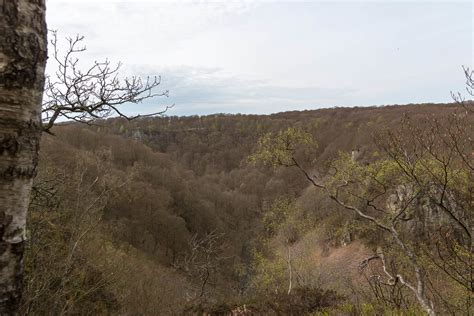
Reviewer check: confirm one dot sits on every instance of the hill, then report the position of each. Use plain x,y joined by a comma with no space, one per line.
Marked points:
165,215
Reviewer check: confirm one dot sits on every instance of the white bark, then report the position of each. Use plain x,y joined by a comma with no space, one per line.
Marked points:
22,62
290,271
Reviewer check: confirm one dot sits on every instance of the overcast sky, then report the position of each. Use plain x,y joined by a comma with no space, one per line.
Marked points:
272,56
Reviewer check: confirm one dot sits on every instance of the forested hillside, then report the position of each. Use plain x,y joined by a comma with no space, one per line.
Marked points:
178,215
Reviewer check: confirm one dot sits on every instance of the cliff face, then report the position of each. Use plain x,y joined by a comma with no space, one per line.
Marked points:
423,211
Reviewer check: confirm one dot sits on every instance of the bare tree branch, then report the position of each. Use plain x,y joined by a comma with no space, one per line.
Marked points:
94,93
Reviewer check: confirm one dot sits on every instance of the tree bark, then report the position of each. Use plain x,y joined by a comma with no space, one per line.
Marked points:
290,271
23,46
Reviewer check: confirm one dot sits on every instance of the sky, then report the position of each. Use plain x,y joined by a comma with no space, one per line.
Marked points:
266,56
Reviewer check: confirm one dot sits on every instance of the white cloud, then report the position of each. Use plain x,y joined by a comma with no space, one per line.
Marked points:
208,90
260,56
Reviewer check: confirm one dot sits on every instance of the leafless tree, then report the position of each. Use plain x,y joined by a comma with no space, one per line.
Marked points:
386,290
203,259
66,210
459,97
94,92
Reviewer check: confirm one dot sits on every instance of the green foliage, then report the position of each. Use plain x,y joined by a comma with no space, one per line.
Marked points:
279,149
269,274
274,217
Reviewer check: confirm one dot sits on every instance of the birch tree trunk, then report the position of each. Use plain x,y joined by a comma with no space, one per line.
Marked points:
23,54
290,271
